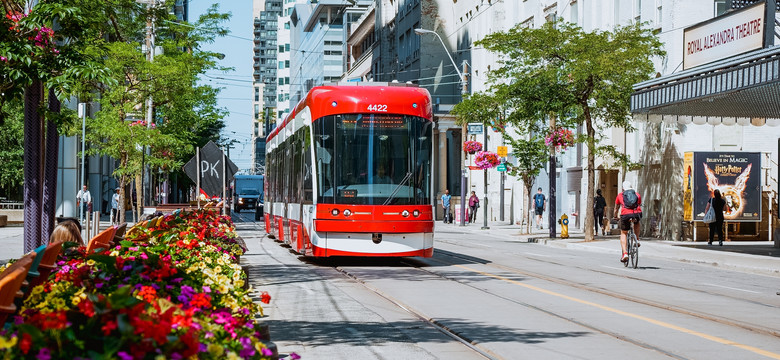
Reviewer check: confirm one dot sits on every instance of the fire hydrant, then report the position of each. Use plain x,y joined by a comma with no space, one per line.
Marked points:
564,221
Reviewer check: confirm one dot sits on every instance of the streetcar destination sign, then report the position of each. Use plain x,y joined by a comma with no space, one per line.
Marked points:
728,35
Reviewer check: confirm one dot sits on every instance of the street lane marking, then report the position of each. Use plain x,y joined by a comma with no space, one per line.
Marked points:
732,288
616,268
632,315
535,254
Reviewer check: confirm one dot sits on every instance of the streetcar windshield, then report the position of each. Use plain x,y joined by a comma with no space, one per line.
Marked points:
373,159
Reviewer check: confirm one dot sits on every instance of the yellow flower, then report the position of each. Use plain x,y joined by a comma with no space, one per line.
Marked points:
232,356
7,343
216,350
114,253
159,357
91,262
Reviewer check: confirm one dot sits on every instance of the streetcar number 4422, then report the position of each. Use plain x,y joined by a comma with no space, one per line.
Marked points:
377,107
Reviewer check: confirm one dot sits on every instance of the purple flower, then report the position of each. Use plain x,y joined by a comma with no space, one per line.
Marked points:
127,267
44,354
294,356
206,289
203,348
124,356
177,280
267,352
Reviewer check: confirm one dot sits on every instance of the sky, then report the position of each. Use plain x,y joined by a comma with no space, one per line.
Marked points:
236,85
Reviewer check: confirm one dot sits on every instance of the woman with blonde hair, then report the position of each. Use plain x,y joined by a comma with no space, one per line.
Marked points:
66,231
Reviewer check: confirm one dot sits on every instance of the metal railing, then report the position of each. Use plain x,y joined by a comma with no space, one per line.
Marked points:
11,206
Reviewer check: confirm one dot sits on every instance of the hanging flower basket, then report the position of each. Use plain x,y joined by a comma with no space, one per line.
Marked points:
486,160
472,147
560,138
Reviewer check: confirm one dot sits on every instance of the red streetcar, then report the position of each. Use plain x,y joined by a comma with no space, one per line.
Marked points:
349,172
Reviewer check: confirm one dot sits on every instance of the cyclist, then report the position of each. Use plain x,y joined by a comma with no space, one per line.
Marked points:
628,205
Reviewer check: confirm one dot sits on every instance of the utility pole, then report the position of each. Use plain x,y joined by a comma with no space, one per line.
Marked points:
150,40
553,175
464,130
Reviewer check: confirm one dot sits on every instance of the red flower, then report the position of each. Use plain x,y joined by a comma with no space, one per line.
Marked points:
109,326
148,293
265,298
201,300
25,343
87,308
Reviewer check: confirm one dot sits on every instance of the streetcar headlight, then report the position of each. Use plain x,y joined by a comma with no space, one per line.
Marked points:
414,105
416,213
335,212
405,213
334,104
347,213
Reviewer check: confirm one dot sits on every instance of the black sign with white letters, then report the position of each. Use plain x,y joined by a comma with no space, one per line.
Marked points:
210,169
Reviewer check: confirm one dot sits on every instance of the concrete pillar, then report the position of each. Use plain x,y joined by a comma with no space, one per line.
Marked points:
441,170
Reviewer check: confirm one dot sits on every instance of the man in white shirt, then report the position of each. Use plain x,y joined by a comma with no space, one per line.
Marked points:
115,207
83,200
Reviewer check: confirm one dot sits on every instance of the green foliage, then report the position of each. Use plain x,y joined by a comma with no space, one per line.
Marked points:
11,142
580,78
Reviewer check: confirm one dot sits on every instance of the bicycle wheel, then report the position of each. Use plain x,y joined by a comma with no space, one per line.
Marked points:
634,252
628,249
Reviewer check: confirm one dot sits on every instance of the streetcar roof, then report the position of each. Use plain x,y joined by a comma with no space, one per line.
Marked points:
355,99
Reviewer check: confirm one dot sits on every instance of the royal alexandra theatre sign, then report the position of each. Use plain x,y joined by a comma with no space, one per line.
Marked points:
725,36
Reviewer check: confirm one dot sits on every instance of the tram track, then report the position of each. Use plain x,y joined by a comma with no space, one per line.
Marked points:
465,338
431,322
614,294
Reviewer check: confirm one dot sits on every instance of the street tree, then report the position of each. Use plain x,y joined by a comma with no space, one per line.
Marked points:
582,78
48,48
526,138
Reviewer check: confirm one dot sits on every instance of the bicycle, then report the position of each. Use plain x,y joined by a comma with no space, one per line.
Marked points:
631,248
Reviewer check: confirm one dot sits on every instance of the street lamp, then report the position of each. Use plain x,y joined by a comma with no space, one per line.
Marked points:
464,91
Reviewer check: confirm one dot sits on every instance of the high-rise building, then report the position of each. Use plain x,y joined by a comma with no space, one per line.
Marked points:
266,14
318,38
181,9
285,50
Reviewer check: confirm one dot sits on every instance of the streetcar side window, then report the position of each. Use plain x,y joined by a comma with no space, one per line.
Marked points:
308,193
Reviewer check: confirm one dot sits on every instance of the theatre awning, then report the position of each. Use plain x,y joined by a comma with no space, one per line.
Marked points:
742,90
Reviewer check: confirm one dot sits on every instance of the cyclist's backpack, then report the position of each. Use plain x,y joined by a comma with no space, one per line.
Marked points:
630,200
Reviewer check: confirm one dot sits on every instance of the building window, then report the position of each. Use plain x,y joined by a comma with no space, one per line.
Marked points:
281,48
574,12
528,23
287,63
720,7
551,13
281,64
616,10
287,25
287,81
286,47
658,14
637,11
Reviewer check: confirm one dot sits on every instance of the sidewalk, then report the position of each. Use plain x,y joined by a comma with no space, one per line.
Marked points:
757,257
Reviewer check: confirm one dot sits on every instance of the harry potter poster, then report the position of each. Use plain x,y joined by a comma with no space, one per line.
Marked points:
736,175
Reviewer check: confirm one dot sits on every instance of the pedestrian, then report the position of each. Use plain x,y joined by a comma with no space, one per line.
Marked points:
718,205
540,204
599,203
445,203
629,205
115,208
473,206
83,201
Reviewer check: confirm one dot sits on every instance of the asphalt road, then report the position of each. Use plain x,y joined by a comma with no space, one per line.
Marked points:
490,296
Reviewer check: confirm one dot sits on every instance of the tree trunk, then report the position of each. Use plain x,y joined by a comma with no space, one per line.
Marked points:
589,216
50,171
529,216
139,183
122,197
33,166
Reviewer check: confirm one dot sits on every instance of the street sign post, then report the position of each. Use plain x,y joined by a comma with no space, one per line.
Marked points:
475,128
502,151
